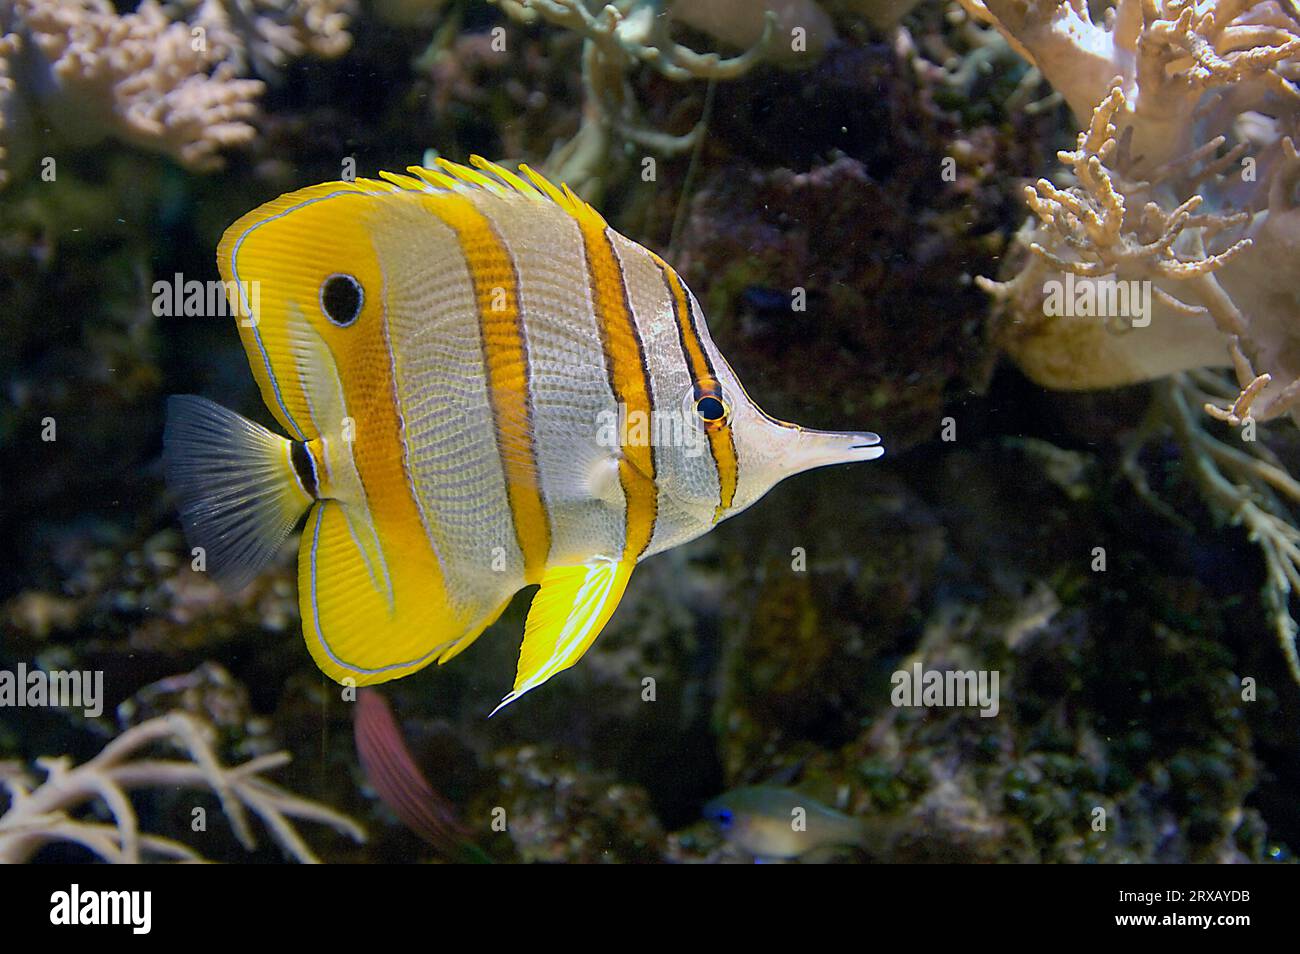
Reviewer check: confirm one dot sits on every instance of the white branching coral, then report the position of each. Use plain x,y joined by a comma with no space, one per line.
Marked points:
619,35
1247,485
49,812
168,78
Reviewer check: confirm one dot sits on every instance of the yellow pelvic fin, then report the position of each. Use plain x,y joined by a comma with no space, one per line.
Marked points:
568,613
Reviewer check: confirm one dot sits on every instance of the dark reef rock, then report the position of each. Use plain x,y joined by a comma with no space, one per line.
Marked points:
833,248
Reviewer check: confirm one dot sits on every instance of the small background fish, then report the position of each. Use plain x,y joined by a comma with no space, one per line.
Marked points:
782,824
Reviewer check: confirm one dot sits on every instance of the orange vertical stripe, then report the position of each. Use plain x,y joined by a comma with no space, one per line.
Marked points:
722,442
505,355
628,378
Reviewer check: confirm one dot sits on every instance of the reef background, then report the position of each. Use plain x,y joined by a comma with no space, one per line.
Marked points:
1120,689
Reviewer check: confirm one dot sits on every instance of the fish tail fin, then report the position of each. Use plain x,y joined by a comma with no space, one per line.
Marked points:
235,483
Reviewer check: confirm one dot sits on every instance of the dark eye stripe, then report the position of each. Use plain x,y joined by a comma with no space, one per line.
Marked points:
722,442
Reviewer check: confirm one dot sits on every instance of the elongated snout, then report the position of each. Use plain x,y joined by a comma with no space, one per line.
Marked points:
806,449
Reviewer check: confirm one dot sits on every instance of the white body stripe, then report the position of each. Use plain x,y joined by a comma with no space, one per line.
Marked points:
449,437
568,383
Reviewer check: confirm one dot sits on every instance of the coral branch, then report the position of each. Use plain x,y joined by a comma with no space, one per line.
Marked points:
1184,179
1089,219
1243,489
39,815
264,35
615,39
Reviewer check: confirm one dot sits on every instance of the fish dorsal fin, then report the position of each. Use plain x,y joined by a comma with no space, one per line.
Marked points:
568,613
492,178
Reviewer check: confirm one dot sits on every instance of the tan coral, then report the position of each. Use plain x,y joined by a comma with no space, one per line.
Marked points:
152,77
1186,180
1105,232
1165,53
136,77
1180,181
264,35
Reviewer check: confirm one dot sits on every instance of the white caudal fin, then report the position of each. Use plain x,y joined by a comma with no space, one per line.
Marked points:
235,485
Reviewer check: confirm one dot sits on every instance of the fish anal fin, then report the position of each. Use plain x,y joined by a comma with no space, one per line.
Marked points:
567,614
365,619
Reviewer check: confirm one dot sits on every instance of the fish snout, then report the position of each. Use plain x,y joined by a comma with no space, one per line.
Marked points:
810,449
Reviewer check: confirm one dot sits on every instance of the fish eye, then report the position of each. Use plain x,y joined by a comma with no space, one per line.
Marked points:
341,298
711,407
725,818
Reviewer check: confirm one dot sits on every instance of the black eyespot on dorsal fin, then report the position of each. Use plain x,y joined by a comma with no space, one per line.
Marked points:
304,465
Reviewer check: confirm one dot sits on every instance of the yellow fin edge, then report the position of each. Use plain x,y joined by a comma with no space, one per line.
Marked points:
482,175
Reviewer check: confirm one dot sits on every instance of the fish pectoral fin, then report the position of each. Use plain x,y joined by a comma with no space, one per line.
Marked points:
568,613
318,373
603,481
